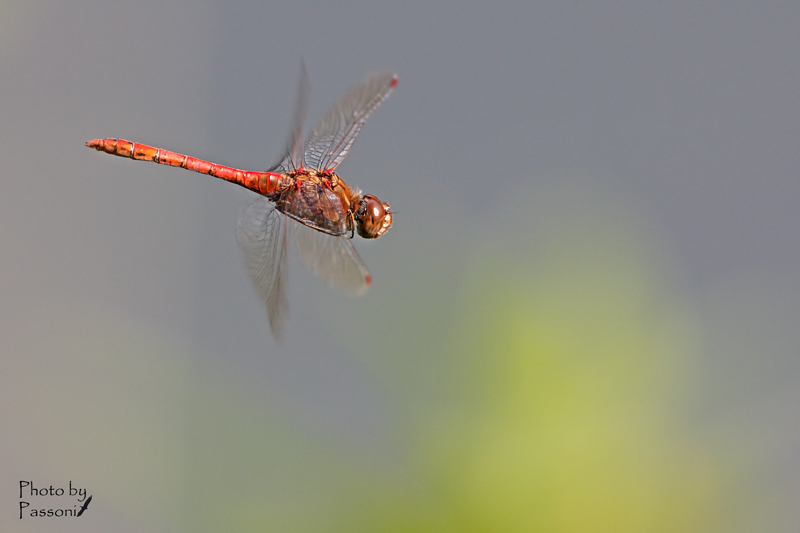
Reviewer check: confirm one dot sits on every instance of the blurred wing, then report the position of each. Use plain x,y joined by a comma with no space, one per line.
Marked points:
334,135
293,157
333,259
261,234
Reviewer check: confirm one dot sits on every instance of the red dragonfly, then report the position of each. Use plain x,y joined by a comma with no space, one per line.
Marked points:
302,187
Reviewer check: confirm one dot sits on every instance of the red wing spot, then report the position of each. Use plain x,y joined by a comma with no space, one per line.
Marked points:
394,82
369,280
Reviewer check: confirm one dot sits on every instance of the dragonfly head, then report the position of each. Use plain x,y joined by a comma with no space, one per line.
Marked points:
373,217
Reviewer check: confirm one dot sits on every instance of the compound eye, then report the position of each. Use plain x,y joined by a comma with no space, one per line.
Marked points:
373,217
375,211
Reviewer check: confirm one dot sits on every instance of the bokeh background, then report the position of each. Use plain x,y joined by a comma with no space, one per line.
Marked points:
585,317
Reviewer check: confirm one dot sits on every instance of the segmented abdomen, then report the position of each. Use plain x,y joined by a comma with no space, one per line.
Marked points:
260,182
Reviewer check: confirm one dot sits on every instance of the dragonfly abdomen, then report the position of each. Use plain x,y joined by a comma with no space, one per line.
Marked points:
260,182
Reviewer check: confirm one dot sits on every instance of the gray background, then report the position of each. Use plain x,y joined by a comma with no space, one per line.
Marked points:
130,338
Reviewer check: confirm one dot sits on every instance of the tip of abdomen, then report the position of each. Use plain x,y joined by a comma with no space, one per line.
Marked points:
97,144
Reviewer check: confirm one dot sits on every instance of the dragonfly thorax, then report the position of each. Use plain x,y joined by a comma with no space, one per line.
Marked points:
328,180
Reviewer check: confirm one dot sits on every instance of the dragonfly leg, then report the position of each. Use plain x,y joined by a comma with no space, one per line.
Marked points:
351,221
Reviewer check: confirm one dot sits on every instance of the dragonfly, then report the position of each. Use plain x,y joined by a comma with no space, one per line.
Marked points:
300,195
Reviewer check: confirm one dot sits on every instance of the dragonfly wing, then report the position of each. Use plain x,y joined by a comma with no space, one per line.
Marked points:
293,156
335,133
262,237
333,259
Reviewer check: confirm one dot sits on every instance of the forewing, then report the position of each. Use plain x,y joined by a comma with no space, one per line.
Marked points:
333,259
334,135
262,237
293,156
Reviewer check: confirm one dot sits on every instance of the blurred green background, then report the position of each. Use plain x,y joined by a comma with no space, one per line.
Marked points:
583,319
